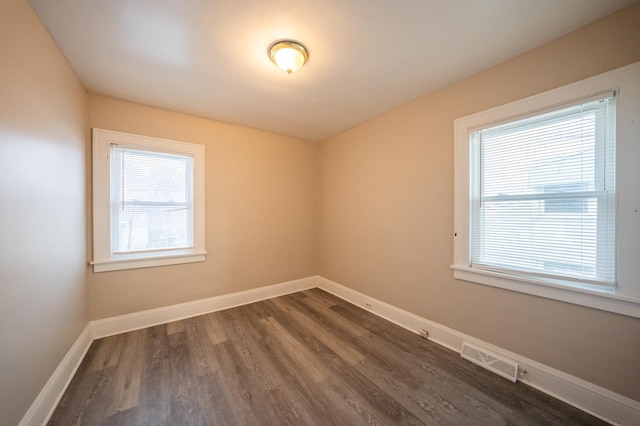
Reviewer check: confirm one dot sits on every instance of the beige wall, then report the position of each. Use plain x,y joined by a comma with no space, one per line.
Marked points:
261,208
42,208
386,214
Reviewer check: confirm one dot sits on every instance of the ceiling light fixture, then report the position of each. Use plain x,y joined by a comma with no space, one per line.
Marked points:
288,55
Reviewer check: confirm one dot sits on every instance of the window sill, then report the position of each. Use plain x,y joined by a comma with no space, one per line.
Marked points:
599,299
146,262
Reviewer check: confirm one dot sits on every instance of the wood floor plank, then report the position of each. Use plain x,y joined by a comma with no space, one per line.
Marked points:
216,399
238,388
175,327
356,392
308,358
182,375
372,403
200,345
322,406
322,313
427,403
276,402
128,374
108,353
156,375
337,345
323,297
216,332
72,410
307,363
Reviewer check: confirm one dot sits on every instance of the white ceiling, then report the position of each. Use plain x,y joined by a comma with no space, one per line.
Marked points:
209,57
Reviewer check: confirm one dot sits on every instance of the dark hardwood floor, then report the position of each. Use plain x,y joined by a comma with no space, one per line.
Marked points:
308,358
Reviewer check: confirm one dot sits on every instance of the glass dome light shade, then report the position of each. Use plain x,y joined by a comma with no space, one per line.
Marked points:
289,56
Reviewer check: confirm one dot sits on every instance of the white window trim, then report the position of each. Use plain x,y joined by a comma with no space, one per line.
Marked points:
624,298
103,259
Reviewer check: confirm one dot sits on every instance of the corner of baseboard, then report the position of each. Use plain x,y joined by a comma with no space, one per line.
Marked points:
42,407
137,320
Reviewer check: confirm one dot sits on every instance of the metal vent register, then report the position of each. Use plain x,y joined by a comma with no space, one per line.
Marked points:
493,362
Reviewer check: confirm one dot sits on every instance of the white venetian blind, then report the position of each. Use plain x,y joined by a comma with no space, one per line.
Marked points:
151,201
543,194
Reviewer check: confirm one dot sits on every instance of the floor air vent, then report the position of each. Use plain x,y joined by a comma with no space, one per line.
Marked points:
500,365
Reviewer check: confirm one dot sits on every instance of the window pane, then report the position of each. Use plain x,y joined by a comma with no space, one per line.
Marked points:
540,158
151,195
148,176
543,194
523,235
152,227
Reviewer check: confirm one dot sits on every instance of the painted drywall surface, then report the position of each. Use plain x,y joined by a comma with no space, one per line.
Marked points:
42,212
386,214
261,211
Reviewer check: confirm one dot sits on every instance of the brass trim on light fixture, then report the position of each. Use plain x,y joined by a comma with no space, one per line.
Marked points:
288,44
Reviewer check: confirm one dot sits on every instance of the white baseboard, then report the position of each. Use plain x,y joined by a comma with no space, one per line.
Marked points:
46,401
123,323
593,399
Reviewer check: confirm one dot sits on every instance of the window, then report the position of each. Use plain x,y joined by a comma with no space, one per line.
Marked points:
543,194
546,199
148,201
